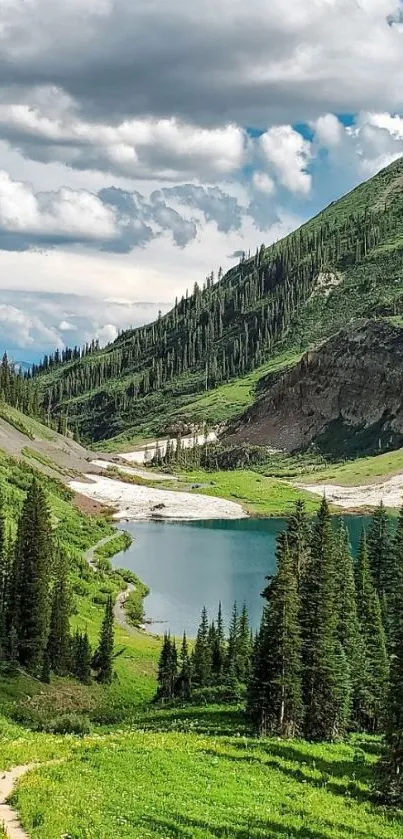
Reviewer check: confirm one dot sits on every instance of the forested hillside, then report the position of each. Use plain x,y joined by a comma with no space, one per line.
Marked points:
346,262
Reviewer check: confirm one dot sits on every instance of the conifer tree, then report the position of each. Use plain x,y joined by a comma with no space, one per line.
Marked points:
379,550
324,702
58,646
218,649
256,705
243,655
202,654
183,687
283,689
348,627
29,601
299,534
81,657
374,670
390,770
232,646
394,582
103,658
167,669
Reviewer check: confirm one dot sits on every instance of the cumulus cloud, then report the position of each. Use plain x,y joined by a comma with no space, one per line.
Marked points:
281,63
288,154
48,128
23,330
263,183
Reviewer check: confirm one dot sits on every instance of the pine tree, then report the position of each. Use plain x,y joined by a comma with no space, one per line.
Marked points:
394,582
348,627
390,770
232,646
256,705
218,649
183,687
202,654
81,657
299,535
379,549
167,669
29,593
283,697
103,658
324,703
58,646
374,669
243,657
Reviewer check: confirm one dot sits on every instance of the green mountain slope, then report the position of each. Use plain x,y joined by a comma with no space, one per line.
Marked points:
345,263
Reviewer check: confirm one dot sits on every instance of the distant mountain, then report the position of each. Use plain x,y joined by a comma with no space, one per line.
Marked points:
345,263
25,366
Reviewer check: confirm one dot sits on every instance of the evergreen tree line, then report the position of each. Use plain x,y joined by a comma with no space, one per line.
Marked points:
222,330
17,390
321,658
35,602
215,660
211,456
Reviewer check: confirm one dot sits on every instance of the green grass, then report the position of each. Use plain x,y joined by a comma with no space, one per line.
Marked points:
259,495
155,785
363,470
26,425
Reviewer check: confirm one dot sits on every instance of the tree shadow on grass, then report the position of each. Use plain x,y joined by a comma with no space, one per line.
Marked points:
185,827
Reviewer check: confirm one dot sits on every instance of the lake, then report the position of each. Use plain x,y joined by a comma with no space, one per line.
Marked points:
191,564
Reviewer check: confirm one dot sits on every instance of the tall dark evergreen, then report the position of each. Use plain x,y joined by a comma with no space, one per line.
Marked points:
379,551
233,645
243,652
103,658
167,669
59,645
29,592
283,687
299,537
218,649
260,674
202,654
81,657
183,687
325,703
374,669
390,770
348,626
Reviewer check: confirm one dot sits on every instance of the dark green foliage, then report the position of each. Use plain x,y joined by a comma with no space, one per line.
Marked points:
183,686
103,657
374,667
218,649
81,657
58,646
202,653
168,669
30,597
275,691
348,627
299,534
325,702
379,552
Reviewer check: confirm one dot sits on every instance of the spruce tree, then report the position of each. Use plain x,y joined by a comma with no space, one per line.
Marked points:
218,649
103,658
167,669
374,669
351,651
379,550
283,695
183,687
256,705
232,646
29,593
389,781
299,534
394,582
243,658
202,653
324,702
58,646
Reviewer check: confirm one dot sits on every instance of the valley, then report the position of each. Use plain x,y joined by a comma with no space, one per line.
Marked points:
232,471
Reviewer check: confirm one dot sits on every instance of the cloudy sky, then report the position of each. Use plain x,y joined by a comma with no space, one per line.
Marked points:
143,143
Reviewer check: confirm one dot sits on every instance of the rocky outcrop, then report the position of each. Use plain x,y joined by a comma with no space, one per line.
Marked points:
346,396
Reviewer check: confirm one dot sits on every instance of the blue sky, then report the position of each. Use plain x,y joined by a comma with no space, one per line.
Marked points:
141,144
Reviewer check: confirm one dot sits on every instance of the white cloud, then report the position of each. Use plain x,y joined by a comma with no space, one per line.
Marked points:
263,183
23,330
66,326
289,154
328,130
66,214
106,334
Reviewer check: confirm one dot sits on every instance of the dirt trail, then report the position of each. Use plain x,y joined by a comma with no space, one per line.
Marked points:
90,554
9,817
119,610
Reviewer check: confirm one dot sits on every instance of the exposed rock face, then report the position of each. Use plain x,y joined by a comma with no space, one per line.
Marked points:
346,396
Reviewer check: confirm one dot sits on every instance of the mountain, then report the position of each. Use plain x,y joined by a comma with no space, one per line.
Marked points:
345,263
346,397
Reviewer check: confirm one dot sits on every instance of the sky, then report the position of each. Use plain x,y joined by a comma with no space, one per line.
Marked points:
144,144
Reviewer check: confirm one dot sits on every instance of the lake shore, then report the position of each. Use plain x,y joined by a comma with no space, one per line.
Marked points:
367,496
140,503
